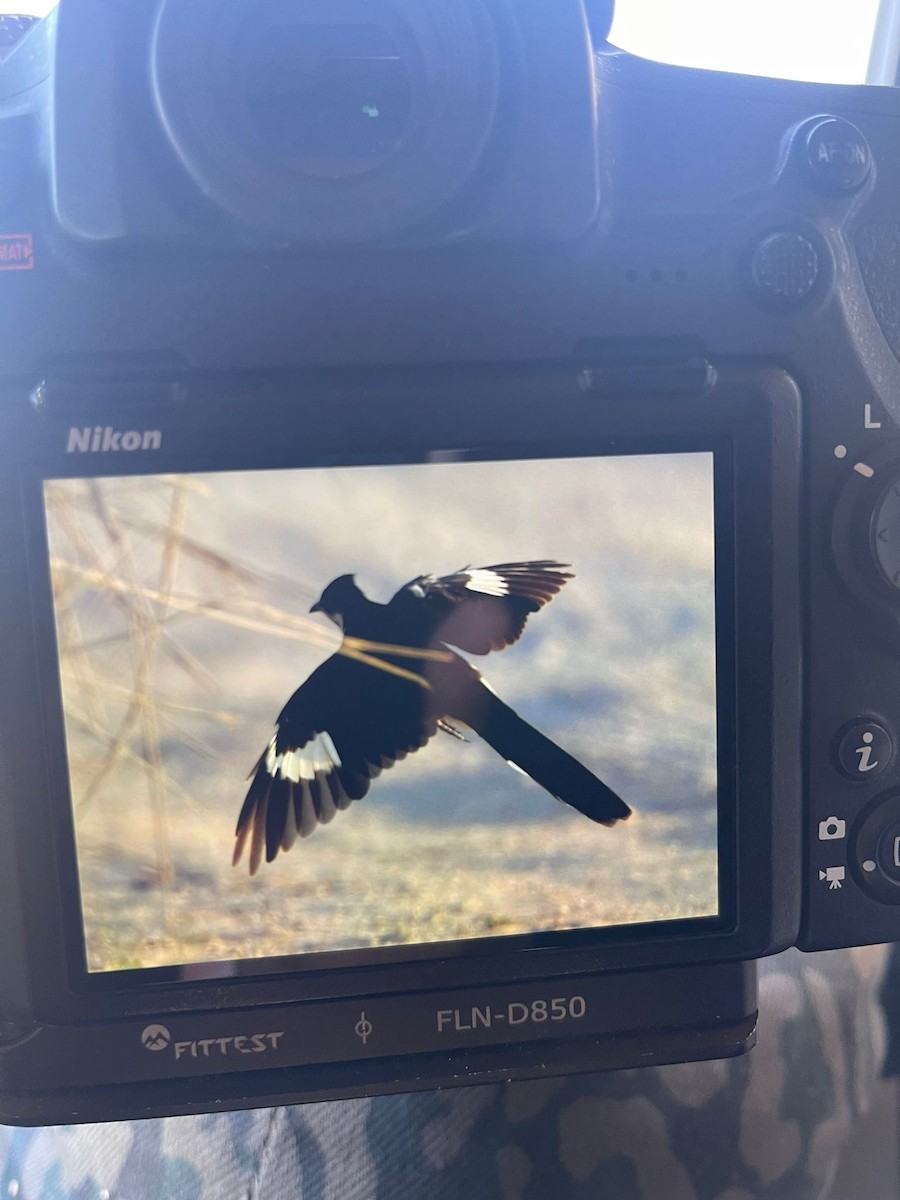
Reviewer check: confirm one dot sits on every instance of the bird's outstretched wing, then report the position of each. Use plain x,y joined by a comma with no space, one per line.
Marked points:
480,609
338,731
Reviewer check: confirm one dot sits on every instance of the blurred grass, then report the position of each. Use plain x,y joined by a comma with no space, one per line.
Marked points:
459,882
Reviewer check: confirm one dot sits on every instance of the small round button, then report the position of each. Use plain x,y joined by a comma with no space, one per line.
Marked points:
863,750
785,267
837,155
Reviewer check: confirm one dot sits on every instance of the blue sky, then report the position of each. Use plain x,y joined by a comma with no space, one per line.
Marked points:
820,40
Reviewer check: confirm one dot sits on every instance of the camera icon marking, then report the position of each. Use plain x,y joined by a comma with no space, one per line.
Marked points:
832,829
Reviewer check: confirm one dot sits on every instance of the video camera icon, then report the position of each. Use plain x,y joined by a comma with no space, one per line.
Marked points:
834,876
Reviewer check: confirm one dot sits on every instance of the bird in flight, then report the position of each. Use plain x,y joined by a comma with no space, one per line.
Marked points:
395,681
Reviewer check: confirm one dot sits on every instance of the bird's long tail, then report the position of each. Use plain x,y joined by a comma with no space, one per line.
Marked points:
548,764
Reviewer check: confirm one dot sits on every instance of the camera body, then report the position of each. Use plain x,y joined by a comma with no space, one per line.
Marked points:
531,287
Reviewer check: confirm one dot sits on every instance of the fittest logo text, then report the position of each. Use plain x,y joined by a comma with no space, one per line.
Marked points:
252,1043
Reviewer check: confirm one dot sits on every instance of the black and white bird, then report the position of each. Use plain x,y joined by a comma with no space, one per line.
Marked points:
394,682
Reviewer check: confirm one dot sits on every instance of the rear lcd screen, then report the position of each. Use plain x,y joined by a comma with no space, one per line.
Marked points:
182,609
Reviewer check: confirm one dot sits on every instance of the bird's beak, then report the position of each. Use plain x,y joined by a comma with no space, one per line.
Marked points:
317,607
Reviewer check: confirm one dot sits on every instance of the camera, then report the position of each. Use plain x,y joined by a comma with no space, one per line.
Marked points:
391,390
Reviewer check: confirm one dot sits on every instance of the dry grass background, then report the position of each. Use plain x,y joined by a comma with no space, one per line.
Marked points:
181,610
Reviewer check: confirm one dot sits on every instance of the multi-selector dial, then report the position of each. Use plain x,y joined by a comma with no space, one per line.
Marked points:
884,532
875,848
866,530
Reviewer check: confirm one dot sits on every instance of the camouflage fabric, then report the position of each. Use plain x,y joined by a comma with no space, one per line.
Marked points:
769,1126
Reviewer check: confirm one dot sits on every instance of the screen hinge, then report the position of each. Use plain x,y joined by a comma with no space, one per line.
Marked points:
674,366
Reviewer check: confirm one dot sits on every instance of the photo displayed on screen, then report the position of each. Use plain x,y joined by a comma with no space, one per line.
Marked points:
343,708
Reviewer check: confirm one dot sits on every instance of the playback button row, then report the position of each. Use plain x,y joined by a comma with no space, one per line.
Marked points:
862,750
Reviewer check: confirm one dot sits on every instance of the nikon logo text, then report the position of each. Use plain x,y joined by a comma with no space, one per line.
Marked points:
103,439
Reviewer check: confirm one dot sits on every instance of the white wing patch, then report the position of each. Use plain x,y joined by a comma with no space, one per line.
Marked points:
319,756
517,768
488,583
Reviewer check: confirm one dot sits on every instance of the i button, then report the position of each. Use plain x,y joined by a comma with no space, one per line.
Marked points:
864,749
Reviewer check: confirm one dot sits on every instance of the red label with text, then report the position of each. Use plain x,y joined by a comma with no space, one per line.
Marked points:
16,252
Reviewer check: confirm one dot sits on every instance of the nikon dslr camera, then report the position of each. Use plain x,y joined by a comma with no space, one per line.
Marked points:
450,527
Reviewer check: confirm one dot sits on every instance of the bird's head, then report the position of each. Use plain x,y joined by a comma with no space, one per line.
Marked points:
337,598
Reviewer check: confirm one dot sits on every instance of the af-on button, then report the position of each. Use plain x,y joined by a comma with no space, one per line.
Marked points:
836,155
